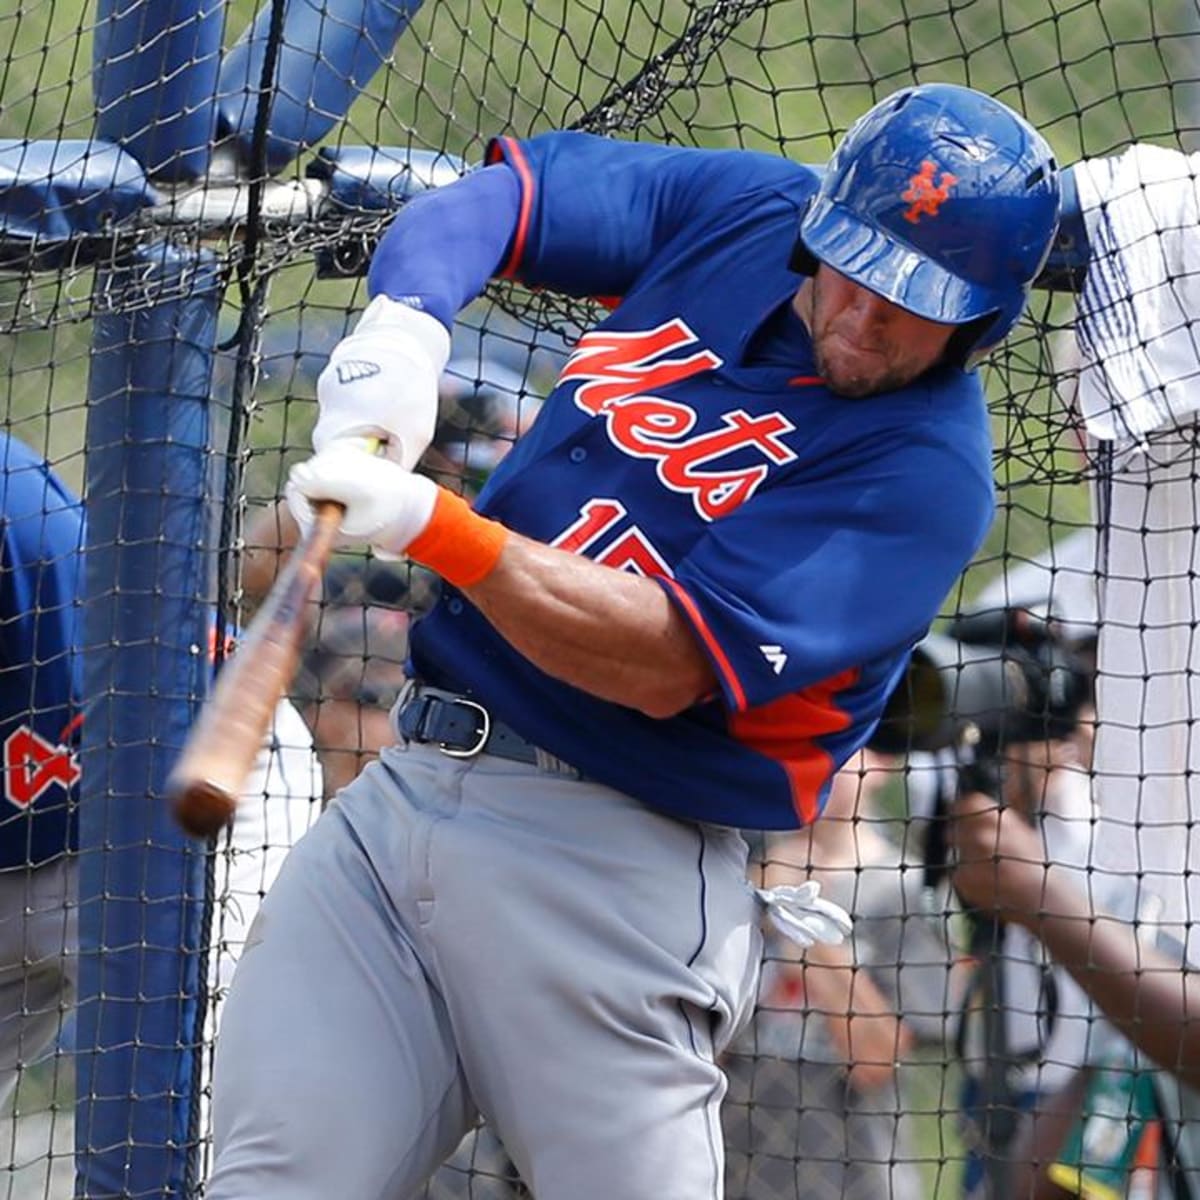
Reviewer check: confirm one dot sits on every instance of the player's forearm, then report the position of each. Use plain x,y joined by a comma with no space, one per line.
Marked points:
269,535
1153,1001
608,632
443,247
868,1033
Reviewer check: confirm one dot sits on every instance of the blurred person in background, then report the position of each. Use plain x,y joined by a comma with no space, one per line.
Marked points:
814,1105
40,716
352,666
1119,1127
1026,1024
1057,1099
42,527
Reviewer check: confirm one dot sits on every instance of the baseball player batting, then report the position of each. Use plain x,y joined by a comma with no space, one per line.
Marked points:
675,608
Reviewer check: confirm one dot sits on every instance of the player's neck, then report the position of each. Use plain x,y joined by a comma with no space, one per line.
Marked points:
782,340
802,303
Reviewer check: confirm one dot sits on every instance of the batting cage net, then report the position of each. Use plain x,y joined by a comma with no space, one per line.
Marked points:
189,194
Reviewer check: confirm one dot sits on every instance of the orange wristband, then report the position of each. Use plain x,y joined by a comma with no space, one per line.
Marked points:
460,545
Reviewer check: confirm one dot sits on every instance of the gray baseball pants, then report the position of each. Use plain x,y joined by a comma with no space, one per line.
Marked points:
38,961
458,936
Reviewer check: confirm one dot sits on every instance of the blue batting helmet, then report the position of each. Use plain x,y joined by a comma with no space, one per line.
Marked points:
943,201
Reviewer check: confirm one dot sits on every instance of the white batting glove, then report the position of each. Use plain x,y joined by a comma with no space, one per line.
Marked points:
386,505
382,381
802,916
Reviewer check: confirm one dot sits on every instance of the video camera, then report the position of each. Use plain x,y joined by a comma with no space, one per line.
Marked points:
996,677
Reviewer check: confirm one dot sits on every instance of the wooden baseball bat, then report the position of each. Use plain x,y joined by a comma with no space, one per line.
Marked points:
204,786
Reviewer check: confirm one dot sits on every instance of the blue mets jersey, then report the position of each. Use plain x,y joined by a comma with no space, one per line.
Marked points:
40,578
807,539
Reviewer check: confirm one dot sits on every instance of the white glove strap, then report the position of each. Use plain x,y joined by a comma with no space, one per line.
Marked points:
803,917
386,315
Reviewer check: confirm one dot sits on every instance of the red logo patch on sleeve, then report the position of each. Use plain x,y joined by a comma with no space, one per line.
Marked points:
32,765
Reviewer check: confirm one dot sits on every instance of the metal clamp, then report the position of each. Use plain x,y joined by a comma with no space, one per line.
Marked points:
484,733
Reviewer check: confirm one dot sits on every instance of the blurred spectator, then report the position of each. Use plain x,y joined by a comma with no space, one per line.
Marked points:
814,1107
1005,871
1138,400
1026,1025
39,729
483,412
352,668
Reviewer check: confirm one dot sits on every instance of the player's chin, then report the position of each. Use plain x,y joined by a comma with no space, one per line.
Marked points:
858,377
852,383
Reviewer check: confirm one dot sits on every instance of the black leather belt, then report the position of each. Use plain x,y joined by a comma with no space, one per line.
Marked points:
463,728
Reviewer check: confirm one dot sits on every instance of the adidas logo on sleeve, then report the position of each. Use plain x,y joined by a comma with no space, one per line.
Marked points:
353,369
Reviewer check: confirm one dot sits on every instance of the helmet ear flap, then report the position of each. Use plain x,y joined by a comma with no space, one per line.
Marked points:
963,346
802,260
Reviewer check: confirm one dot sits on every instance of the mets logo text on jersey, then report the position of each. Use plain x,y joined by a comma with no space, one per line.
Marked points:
618,373
33,765
923,195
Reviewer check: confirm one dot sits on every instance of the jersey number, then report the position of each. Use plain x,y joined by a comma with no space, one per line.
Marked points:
629,550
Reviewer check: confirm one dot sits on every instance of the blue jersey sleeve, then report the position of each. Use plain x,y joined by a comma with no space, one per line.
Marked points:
443,247
41,537
821,575
594,212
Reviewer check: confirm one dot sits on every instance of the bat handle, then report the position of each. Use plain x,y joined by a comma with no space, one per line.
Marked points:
327,514
327,517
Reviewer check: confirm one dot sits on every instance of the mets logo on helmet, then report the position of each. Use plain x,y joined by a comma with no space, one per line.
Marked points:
923,195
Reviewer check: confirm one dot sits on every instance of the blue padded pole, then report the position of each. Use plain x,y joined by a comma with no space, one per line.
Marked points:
147,610
330,51
154,74
146,593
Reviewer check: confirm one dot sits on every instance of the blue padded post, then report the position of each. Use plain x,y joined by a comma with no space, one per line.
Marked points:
154,74
147,612
330,51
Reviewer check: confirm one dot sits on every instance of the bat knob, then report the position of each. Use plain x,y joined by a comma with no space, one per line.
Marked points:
203,807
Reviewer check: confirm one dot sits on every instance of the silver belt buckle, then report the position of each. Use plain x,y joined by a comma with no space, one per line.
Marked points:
484,733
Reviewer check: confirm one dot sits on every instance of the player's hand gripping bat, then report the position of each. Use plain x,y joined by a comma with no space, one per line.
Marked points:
217,758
